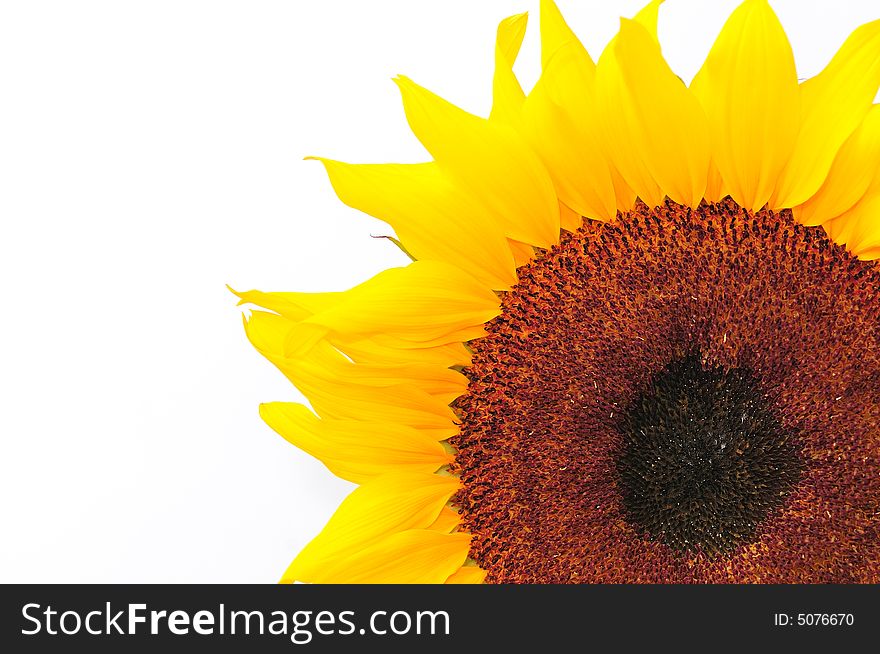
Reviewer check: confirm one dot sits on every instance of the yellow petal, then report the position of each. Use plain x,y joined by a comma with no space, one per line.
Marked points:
560,46
714,184
570,219
446,521
433,218
354,450
270,333
507,94
295,306
559,124
469,574
660,148
870,254
867,250
572,154
417,556
626,197
376,350
859,227
748,89
855,167
488,159
340,389
615,139
423,305
267,333
522,252
426,303
838,229
649,16
381,507
833,104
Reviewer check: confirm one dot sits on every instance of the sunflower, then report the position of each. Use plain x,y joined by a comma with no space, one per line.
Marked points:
639,340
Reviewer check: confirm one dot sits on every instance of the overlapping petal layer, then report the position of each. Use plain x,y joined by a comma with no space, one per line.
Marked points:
385,515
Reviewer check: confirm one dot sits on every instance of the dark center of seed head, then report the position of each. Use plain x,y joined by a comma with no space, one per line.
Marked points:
703,459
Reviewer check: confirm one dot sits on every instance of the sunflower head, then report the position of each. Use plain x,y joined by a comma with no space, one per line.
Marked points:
639,340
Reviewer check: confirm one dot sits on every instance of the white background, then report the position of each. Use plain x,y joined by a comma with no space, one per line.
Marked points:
151,152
